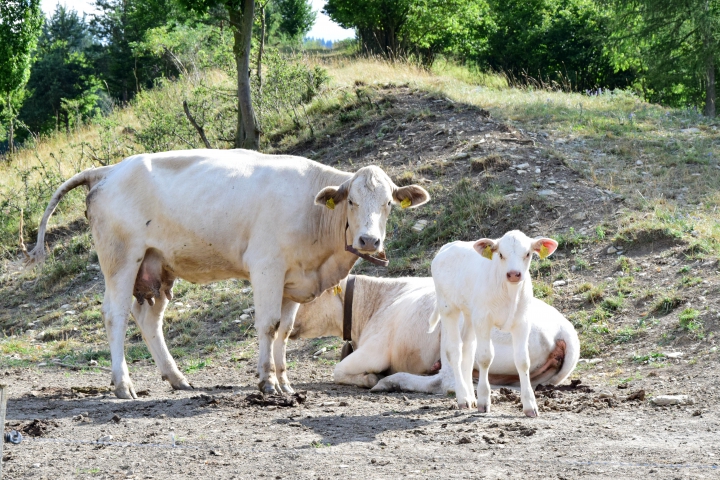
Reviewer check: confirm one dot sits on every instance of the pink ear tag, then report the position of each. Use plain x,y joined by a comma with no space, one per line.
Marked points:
487,252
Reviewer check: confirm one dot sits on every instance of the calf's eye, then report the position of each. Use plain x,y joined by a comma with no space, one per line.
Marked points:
501,256
351,203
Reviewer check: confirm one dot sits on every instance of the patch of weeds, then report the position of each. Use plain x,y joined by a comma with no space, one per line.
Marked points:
543,291
684,269
581,264
689,320
137,352
626,334
613,304
667,303
624,285
193,365
687,281
652,356
585,287
595,294
317,444
569,240
489,162
543,266
625,264
327,361
592,330
600,233
406,178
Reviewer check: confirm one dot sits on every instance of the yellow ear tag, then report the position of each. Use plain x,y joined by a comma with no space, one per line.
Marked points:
487,252
405,203
337,290
330,204
544,252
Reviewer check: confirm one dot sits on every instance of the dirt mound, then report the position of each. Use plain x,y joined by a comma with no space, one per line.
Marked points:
34,428
259,399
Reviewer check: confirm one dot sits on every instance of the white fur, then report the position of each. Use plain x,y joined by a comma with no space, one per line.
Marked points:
208,215
489,293
390,336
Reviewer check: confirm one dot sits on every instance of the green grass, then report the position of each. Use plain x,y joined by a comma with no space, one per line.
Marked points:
689,320
666,304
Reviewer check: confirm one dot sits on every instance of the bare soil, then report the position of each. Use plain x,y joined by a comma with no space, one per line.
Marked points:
606,426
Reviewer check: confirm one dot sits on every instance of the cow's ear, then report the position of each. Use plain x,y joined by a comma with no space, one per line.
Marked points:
544,246
486,247
331,196
411,196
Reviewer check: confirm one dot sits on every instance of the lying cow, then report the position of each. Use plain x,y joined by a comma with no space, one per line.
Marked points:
207,215
389,331
480,286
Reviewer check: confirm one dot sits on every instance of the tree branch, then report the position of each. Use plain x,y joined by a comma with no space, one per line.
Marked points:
200,130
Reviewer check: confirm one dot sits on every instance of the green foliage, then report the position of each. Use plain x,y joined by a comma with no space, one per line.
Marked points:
297,17
688,320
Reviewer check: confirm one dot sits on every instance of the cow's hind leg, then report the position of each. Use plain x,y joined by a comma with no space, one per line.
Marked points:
115,309
150,320
361,367
289,309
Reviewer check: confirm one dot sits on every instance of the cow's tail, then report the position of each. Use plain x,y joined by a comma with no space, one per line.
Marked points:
434,318
89,178
572,355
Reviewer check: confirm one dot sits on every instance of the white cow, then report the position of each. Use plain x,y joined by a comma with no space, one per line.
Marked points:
389,333
207,215
488,283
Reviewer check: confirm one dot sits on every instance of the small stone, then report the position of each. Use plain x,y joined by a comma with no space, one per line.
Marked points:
546,193
420,225
594,361
105,438
523,165
459,156
559,283
246,290
244,316
663,400
92,363
179,304
611,250
537,170
116,418
464,440
63,307
344,404
35,465
673,354
249,310
320,352
217,453
639,163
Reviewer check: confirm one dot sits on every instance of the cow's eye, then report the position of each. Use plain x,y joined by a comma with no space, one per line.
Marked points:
388,203
501,256
527,255
351,203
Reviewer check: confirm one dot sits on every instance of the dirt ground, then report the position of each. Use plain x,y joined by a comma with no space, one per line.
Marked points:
224,430
605,427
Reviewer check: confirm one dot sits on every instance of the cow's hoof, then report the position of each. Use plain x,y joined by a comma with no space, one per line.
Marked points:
384,386
182,385
287,389
125,390
483,409
531,412
268,388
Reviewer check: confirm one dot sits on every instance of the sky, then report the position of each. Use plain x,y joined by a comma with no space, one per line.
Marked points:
323,28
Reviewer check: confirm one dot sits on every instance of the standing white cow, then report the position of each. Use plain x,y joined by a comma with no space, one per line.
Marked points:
208,215
488,283
388,328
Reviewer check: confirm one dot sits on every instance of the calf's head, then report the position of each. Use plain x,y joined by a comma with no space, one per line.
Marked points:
367,198
512,253
320,318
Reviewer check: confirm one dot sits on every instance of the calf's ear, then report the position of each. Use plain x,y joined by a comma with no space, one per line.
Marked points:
544,246
410,196
486,247
331,196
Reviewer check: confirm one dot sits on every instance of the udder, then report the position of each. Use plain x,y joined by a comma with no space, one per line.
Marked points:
154,279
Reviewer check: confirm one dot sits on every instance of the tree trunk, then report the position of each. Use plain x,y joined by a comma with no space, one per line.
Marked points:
247,133
11,136
710,89
262,46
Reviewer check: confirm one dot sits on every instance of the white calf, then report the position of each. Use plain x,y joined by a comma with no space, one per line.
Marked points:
488,283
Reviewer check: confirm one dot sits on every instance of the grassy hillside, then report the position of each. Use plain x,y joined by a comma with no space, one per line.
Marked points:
629,190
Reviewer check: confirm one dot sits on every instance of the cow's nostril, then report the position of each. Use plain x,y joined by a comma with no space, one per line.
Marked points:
367,242
514,276
377,243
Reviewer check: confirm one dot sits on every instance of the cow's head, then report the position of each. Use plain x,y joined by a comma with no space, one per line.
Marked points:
512,253
367,197
321,317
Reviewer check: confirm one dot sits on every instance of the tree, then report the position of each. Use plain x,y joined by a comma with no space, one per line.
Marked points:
297,18
20,26
675,43
378,22
62,87
241,16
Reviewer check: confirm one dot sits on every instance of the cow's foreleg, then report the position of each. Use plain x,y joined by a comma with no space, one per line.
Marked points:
361,367
289,309
268,287
520,335
115,309
469,345
150,320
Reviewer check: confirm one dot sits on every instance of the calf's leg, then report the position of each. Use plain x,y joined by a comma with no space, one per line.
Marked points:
287,319
520,334
454,350
150,320
485,354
